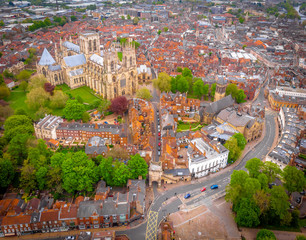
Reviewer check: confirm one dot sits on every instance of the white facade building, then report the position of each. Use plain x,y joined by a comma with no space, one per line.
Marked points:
204,157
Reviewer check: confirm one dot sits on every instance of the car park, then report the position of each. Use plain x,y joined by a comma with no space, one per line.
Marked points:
214,187
187,196
203,189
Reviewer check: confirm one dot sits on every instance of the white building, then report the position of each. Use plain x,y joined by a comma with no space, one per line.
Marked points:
46,127
206,156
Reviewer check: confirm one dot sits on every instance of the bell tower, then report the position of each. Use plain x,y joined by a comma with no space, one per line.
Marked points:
220,89
89,43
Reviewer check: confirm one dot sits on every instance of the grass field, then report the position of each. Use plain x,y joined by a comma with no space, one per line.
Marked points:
186,126
85,92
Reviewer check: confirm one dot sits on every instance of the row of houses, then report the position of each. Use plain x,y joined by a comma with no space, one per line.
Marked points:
43,215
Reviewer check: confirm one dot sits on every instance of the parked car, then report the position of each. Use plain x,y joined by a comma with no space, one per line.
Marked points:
159,134
159,144
214,187
180,156
158,153
105,122
187,196
203,189
158,148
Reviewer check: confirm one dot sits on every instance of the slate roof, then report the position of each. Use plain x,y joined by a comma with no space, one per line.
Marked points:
87,208
97,59
46,59
75,60
55,68
95,145
217,106
72,46
76,72
178,172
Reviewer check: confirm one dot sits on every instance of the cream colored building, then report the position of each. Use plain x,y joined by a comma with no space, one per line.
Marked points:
46,127
83,64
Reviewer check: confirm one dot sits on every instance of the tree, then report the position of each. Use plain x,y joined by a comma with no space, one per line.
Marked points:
118,153
78,172
135,20
128,17
279,201
179,69
240,140
8,74
300,237
17,124
1,23
122,17
137,167
47,22
182,84
58,100
198,88
86,117
159,32
234,150
6,111
254,166
231,89
4,92
240,97
104,106
37,98
24,75
18,148
251,186
36,82
23,85
73,110
6,172
247,214
205,89
79,99
49,88
41,112
144,93
95,104
121,174
294,179
187,72
264,234
28,177
166,29
119,105
1,77
73,18
262,200
106,169
163,82
271,170
213,89
41,175
241,20
263,179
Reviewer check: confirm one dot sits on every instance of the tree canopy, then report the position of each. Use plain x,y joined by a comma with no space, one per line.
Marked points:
144,93
74,110
119,105
163,82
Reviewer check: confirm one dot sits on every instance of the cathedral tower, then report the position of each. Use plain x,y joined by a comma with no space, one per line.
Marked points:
220,89
89,44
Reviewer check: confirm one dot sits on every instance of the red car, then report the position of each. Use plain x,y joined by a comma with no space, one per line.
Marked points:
159,134
203,189
159,144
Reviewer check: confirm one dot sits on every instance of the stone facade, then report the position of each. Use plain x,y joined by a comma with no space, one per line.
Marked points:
83,64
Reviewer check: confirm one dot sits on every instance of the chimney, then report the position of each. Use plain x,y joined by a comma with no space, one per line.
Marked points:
96,126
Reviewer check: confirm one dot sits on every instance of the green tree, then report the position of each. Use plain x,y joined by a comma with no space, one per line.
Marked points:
182,84
28,177
74,110
241,20
4,92
240,97
122,17
198,88
263,179
166,29
17,124
8,74
234,150
37,98
240,140
300,237
271,170
264,234
58,100
159,32
18,147
187,72
41,112
106,169
294,179
104,106
251,186
135,20
205,89
163,82
254,166
1,23
262,200
179,69
47,22
121,174
86,117
279,201
73,18
6,172
248,213
231,89
36,82
41,175
144,93
137,167
24,75
23,85
78,172
213,89
128,17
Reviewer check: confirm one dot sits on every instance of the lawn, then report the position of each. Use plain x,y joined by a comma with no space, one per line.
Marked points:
186,126
85,92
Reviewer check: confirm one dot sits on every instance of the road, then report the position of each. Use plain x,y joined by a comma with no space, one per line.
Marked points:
175,196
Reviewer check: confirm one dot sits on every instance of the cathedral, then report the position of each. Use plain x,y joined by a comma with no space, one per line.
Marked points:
111,72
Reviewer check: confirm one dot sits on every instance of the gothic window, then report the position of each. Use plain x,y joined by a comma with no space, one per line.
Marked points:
112,66
114,79
95,45
90,46
131,61
44,72
123,92
55,78
115,91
